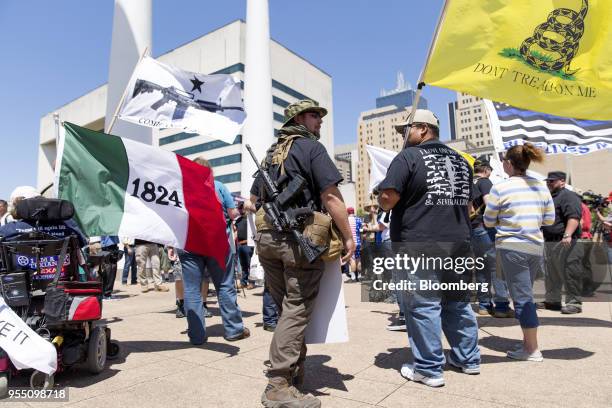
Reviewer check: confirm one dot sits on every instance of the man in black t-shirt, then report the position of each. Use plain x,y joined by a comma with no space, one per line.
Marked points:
428,187
483,243
563,254
293,281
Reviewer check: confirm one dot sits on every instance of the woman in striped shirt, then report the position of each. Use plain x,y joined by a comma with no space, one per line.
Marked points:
518,208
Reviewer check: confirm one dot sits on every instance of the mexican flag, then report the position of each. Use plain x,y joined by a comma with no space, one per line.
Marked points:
122,187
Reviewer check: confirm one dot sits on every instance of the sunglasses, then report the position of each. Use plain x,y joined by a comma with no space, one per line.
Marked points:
409,125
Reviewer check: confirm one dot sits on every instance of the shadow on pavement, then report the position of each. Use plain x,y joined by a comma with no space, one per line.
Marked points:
502,345
214,310
147,346
489,321
319,376
111,320
76,376
393,358
118,296
385,313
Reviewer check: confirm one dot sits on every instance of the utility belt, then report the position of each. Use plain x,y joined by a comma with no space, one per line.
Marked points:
318,228
553,238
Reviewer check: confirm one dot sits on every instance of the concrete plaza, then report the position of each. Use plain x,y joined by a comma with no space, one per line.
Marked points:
159,368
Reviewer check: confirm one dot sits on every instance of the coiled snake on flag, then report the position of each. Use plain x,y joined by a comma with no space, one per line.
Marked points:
571,32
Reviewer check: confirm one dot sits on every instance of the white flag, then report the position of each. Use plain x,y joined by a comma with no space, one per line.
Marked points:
23,345
380,159
163,96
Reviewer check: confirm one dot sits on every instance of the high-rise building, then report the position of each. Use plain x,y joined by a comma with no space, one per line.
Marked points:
345,158
221,51
376,127
468,122
471,122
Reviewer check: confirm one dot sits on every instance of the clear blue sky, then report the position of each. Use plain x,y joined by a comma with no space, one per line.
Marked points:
55,51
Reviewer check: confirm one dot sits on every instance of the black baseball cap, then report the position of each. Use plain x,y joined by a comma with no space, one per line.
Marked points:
482,161
556,175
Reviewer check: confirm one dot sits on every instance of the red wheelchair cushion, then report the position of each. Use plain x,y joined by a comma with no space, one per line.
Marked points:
85,308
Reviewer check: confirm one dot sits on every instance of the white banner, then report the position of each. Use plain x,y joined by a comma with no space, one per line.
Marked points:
25,347
163,96
328,320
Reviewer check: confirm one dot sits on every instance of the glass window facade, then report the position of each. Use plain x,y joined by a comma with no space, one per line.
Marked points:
239,67
401,100
228,178
279,117
279,101
222,161
203,147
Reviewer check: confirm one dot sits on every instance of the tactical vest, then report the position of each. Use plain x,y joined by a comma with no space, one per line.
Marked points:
274,163
319,227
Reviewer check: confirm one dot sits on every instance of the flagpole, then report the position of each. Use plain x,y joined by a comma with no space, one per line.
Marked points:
56,119
59,155
420,83
568,166
110,126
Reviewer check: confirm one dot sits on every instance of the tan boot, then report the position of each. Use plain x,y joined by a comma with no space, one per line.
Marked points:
298,375
279,394
162,288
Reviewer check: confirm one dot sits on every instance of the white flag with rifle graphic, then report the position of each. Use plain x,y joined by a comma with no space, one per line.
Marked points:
163,96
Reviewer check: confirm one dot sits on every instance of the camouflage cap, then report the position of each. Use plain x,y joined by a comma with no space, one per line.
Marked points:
302,106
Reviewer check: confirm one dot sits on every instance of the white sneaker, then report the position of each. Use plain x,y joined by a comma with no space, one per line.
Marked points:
465,370
408,372
397,324
522,355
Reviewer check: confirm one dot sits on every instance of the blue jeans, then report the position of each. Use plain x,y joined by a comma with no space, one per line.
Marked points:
269,311
426,319
223,278
245,253
484,246
130,263
521,269
428,313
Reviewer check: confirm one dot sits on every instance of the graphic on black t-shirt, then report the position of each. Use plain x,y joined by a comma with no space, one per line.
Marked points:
447,178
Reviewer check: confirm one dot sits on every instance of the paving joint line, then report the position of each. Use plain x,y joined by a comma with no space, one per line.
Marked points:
441,391
392,392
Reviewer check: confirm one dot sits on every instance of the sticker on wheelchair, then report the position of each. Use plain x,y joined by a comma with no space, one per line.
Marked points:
48,265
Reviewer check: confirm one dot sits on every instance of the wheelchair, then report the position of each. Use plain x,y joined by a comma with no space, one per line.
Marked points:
61,304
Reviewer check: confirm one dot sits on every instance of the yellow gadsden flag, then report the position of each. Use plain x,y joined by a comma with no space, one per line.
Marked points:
552,56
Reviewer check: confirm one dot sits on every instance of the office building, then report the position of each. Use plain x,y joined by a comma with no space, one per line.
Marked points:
377,127
221,51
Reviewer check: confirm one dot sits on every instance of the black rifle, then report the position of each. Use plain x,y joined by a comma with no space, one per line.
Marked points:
280,213
182,99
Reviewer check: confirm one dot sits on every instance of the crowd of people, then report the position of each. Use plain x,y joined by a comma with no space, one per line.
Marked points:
431,203
521,227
